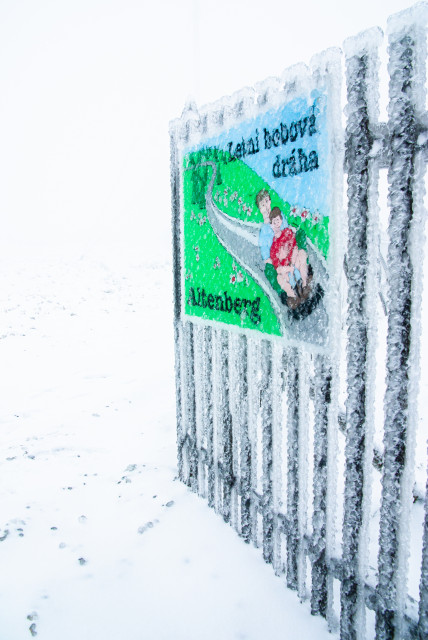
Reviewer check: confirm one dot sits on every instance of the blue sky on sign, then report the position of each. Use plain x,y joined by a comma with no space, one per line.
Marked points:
264,145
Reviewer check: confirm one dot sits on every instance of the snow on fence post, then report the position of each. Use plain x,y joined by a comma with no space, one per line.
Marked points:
190,406
245,442
225,420
208,412
292,470
423,587
205,379
407,40
188,454
242,108
176,259
267,448
253,418
361,64
322,400
211,120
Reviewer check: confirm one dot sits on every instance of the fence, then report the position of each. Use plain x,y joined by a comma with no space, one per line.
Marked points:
260,429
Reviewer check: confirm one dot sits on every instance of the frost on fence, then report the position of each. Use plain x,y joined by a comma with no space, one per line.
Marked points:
258,348
245,388
361,76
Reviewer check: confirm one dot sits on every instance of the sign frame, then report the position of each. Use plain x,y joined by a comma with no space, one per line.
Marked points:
215,136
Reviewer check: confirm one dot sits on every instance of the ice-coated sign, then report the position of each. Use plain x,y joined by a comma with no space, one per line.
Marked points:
255,215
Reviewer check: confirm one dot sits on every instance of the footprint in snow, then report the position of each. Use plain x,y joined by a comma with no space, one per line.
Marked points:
147,526
4,536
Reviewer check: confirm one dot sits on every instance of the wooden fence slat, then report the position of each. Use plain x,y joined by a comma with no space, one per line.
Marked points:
190,406
208,411
403,139
176,258
358,147
279,362
292,469
423,587
266,421
254,405
225,420
245,443
322,399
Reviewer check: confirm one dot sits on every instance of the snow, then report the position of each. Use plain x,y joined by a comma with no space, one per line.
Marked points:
98,539
102,540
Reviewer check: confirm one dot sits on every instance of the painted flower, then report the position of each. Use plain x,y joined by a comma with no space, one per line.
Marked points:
240,277
317,217
197,257
232,278
304,214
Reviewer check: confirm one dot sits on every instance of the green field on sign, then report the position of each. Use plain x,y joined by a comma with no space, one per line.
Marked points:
209,268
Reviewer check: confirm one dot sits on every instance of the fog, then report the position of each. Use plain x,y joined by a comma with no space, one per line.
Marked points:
87,88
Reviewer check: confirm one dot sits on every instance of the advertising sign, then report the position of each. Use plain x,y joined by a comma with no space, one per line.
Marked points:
255,214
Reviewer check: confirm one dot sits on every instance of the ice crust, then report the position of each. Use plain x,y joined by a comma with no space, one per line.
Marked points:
268,479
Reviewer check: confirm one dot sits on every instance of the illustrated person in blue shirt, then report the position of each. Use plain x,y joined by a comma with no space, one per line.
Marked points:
266,235
264,204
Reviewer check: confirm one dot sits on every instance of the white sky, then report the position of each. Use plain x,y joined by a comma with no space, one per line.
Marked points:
87,88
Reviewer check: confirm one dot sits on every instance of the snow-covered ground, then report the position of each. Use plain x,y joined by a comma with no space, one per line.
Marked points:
98,539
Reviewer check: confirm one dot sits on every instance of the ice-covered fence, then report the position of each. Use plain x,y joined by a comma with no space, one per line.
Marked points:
260,429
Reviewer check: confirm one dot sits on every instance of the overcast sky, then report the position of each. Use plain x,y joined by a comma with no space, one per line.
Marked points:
87,88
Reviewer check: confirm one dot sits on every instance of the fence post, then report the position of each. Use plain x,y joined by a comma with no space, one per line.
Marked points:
322,399
267,453
245,443
360,61
398,437
208,413
254,348
423,588
188,359
225,421
292,469
176,259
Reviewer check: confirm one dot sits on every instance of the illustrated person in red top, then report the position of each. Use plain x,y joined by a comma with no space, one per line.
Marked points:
289,261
